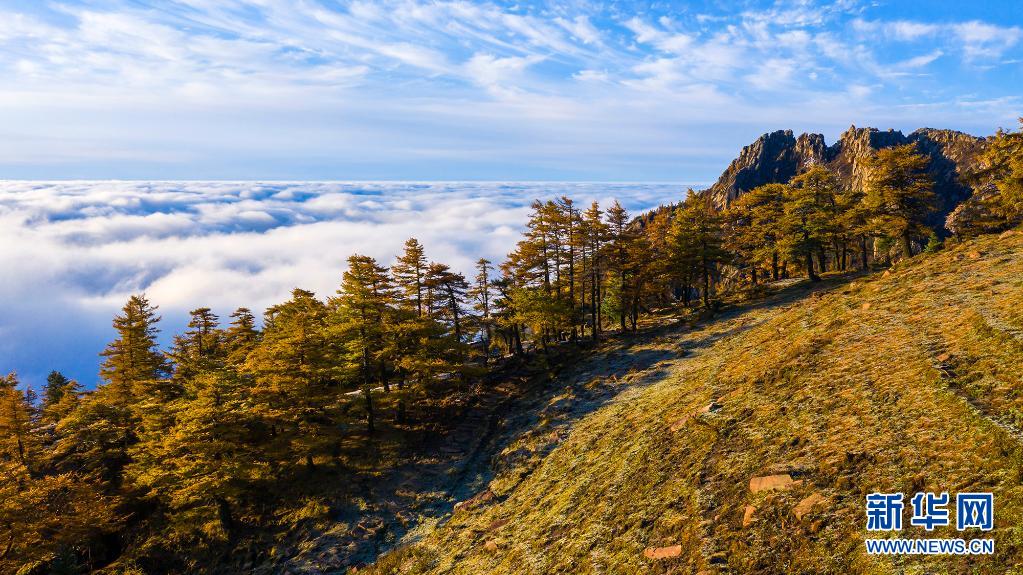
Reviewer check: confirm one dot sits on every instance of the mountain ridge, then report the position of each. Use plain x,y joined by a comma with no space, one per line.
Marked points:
779,156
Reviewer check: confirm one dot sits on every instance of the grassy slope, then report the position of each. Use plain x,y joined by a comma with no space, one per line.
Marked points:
909,380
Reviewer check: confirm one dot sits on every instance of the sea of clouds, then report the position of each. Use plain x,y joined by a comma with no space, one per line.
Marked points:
72,252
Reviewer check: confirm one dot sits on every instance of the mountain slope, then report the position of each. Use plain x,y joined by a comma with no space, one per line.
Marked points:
903,381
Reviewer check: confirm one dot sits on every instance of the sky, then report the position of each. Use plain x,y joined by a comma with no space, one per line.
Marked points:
456,90
210,152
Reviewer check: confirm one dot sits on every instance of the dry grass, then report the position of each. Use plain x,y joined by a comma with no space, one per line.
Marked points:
909,380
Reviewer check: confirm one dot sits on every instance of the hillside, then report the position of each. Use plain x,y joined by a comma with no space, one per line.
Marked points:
903,380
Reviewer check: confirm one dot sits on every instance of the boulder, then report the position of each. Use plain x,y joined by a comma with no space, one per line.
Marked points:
747,515
778,482
662,552
807,504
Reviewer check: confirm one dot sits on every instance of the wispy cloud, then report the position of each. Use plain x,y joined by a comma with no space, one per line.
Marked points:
286,88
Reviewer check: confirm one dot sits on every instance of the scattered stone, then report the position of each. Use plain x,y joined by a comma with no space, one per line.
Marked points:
974,255
865,306
497,524
886,273
807,505
662,552
944,357
773,482
712,407
476,500
679,424
491,546
747,515
1006,234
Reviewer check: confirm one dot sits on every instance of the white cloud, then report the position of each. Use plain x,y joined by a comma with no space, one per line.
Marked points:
80,248
982,40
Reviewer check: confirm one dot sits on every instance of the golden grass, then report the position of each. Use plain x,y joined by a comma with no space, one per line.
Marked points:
906,381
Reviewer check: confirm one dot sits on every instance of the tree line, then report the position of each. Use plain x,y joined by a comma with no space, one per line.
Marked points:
178,449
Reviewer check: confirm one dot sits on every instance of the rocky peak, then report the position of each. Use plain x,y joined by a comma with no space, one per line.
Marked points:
777,157
771,158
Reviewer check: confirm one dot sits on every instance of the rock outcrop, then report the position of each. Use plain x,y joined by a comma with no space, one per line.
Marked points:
779,156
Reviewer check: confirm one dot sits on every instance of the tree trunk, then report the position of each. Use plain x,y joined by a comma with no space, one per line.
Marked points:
774,265
907,246
753,276
809,267
225,516
863,253
401,402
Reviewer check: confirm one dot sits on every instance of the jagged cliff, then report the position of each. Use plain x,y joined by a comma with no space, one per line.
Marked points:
779,156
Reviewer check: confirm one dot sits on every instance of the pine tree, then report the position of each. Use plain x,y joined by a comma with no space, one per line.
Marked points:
451,289
697,244
1002,163
241,337
620,239
200,348
754,221
19,443
362,308
133,363
204,468
53,391
595,233
899,194
292,368
809,219
409,274
481,295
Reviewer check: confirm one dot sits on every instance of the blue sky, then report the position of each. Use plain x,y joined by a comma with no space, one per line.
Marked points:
408,89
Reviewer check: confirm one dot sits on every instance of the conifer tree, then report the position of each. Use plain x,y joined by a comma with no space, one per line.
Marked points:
755,227
620,239
292,369
1002,162
899,193
133,363
451,289
241,337
809,217
200,348
361,313
56,383
207,465
409,274
19,443
697,248
595,233
481,295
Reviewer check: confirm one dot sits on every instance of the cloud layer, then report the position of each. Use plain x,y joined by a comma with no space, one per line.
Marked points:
72,252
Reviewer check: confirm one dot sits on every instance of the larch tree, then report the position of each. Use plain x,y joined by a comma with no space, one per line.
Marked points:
409,274
292,369
620,238
899,194
697,244
361,311
594,234
481,295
